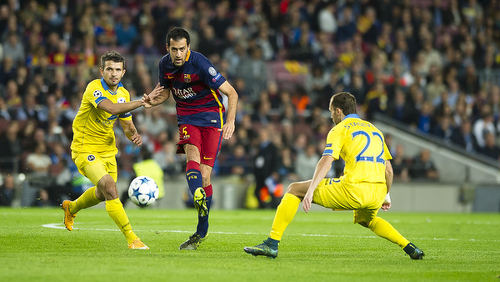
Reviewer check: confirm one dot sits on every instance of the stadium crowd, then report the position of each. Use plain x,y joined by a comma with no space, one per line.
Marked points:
431,64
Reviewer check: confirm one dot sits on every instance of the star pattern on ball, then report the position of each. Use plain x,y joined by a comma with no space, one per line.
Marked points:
144,180
136,192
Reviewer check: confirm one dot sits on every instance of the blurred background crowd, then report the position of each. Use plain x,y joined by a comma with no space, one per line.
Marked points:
433,65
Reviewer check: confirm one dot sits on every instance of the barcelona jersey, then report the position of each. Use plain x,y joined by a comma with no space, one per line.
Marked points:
362,147
93,127
194,86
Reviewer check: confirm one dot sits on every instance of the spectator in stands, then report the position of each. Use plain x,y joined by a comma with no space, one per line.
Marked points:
10,148
14,49
326,19
463,137
306,162
422,167
483,126
126,32
5,113
238,161
7,190
266,163
444,128
490,148
167,159
400,164
253,70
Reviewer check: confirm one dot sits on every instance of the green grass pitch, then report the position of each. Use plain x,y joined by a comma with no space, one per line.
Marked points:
319,246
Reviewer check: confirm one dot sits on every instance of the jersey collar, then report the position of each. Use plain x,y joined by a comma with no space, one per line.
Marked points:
106,87
351,116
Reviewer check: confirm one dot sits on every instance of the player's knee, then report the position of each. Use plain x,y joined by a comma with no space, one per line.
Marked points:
294,189
364,223
107,187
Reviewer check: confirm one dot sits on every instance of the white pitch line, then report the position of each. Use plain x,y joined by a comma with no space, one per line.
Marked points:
61,226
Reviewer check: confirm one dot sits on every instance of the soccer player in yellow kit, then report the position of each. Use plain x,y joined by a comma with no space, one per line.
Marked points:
364,187
94,148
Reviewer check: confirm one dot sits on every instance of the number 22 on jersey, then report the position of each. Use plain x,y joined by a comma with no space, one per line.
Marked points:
373,149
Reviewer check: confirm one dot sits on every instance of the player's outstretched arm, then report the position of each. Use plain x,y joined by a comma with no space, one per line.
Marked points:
156,97
119,108
131,132
322,167
228,128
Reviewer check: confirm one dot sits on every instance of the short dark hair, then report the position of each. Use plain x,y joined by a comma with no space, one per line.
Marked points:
344,101
112,56
177,33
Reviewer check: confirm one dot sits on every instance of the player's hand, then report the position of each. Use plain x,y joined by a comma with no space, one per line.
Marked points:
227,130
136,139
387,202
307,201
155,97
146,101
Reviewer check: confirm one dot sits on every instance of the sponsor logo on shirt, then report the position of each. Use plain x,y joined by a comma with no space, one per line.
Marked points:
184,93
90,158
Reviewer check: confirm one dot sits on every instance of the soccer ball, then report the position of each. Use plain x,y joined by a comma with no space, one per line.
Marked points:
143,191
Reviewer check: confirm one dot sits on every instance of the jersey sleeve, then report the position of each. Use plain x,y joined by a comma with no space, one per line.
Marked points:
93,96
208,74
387,153
161,75
128,115
334,142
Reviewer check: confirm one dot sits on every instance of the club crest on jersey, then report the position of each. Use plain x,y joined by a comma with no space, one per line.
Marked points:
90,158
212,71
121,100
187,77
97,94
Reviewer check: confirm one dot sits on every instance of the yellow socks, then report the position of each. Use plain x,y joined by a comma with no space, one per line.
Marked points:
284,215
117,213
385,230
86,200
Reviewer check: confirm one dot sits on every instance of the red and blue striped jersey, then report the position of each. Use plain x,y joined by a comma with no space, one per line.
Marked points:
194,86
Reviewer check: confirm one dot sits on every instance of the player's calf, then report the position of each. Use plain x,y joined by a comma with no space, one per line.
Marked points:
200,201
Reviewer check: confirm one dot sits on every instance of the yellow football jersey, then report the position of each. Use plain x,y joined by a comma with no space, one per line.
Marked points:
93,127
362,147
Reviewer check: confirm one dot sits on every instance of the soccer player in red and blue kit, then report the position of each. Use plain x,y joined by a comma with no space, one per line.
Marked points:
203,121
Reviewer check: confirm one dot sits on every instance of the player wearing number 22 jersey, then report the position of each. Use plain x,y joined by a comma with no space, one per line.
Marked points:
364,186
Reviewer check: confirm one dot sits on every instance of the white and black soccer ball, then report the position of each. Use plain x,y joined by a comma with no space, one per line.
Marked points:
143,191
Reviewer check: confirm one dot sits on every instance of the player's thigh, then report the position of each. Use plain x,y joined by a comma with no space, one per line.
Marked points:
364,216
332,193
111,167
372,196
210,145
91,166
189,134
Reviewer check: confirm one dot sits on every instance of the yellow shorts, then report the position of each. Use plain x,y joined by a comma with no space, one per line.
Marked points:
94,166
364,198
